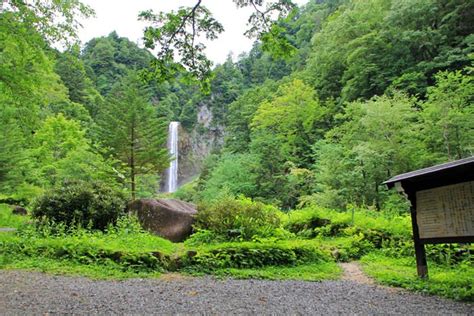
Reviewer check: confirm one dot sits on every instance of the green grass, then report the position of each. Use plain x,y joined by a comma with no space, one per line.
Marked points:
454,282
126,249
7,219
80,255
307,272
133,242
127,243
112,271
89,243
109,271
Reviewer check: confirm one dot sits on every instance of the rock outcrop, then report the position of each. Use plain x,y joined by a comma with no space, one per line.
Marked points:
195,145
169,218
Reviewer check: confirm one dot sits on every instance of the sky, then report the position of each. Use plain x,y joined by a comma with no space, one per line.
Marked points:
121,16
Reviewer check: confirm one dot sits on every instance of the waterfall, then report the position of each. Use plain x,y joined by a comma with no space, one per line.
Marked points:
172,184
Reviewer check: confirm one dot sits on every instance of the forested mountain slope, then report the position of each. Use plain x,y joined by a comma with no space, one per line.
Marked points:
374,88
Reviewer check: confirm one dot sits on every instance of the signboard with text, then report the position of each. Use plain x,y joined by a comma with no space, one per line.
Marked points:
442,205
446,211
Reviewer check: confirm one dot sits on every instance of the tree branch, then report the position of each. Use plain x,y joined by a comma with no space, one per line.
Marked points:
264,18
192,14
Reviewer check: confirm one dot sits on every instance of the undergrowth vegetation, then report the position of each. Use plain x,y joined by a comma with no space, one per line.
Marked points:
248,255
237,219
81,203
244,239
365,90
125,245
8,219
451,281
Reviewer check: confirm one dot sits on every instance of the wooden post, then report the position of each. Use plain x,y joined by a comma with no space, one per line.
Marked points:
421,264
442,205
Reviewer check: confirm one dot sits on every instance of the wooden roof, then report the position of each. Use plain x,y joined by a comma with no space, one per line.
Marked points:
462,165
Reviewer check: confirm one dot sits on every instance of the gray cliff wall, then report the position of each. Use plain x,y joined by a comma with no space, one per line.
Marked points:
195,145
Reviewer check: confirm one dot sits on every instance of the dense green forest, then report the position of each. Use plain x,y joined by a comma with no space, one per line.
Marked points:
372,89
375,88
333,99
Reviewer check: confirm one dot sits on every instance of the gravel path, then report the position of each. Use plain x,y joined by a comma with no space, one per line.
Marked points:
7,230
36,293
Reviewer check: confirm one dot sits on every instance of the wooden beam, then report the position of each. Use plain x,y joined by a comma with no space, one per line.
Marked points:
447,240
421,264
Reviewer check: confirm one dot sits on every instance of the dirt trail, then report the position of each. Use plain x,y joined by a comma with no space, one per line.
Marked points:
352,272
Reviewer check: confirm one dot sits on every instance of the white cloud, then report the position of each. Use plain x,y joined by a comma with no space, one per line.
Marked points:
122,16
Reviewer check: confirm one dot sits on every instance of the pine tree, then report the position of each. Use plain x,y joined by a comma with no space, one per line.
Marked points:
132,130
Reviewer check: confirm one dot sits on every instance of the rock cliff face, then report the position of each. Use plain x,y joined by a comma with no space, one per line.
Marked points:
195,145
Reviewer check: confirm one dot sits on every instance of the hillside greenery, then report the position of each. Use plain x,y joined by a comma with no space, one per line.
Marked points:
348,94
304,245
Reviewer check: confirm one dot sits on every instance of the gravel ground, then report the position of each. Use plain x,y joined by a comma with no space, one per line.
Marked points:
36,293
7,230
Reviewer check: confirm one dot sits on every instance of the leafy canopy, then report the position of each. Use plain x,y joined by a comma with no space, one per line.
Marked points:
178,35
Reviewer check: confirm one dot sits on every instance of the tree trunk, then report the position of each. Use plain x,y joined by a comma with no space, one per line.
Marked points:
377,201
458,144
446,141
132,161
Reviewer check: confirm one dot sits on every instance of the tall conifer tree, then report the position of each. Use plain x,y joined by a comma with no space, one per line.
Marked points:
132,130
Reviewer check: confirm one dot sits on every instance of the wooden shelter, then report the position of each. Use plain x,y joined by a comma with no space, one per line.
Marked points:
442,205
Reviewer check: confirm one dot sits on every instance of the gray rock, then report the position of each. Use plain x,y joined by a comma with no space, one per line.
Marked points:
18,210
169,218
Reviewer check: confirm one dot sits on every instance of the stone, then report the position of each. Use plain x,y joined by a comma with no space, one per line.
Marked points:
336,254
168,218
18,210
191,253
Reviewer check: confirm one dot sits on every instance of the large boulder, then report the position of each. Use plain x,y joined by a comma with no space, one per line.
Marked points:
169,218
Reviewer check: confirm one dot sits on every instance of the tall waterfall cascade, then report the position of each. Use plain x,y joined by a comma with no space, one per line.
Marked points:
172,175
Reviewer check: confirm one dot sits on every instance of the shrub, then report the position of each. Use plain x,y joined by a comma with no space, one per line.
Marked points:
303,222
237,219
187,192
449,254
314,221
247,255
353,249
201,237
81,203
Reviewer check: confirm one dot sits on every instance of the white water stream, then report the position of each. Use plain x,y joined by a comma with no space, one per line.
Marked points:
173,150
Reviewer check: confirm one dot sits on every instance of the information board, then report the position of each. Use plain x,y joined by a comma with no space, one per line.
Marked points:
446,211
